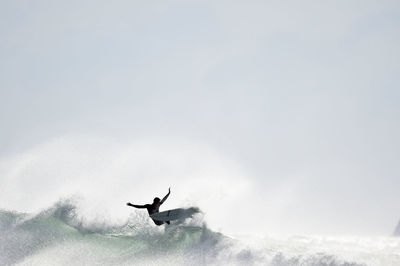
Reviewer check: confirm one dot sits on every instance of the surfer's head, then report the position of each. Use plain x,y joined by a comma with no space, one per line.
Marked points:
156,200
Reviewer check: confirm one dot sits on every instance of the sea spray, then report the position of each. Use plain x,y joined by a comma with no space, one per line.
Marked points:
62,235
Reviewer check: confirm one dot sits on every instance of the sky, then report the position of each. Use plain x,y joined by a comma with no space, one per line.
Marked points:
271,116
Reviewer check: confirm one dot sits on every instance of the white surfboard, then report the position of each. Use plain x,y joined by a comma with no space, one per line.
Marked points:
175,214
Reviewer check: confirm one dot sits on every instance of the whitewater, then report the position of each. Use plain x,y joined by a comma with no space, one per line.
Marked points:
60,235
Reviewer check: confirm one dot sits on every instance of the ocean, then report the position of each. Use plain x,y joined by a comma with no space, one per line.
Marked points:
59,235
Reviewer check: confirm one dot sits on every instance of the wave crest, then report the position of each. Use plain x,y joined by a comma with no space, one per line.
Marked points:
59,235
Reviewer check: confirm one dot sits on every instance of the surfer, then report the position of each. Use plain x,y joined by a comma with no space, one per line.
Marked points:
154,207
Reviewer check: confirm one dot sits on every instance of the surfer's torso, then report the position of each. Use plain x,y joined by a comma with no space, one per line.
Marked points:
153,208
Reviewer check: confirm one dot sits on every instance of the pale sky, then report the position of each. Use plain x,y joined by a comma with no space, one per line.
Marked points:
286,112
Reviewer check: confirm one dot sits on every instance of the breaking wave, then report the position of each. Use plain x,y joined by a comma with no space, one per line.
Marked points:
59,236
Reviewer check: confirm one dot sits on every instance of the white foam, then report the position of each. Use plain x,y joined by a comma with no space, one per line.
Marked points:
60,235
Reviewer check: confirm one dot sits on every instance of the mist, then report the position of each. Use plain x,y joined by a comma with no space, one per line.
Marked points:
272,117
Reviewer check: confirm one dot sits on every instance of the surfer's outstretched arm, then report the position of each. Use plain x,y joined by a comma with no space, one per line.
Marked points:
166,196
137,206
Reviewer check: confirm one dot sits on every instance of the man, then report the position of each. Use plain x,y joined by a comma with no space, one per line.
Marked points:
153,208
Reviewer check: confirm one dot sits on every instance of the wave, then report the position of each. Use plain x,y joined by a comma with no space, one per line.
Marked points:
60,236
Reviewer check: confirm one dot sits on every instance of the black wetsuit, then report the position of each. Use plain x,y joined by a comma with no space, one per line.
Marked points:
152,208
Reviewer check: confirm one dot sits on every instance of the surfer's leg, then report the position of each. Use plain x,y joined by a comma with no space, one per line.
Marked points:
167,222
157,222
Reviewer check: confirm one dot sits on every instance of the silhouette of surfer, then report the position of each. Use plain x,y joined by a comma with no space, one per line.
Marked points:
154,207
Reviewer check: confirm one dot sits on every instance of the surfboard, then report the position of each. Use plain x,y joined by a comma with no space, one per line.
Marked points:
175,214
